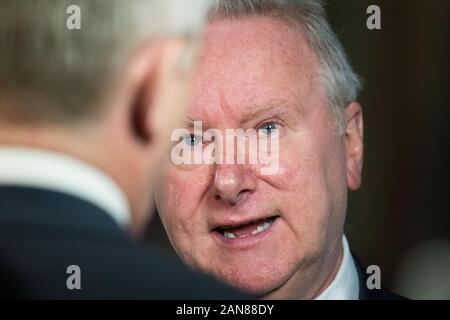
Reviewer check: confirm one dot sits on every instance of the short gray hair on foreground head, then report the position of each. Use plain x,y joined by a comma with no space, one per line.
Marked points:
339,81
50,74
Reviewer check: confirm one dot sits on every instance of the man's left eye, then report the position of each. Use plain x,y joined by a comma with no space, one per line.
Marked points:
269,128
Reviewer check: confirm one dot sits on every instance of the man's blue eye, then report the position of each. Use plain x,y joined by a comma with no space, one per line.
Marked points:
191,140
269,128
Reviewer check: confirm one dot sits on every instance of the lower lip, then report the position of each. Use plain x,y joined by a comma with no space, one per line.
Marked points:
244,242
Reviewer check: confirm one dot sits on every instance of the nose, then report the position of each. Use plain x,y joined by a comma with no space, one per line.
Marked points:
232,183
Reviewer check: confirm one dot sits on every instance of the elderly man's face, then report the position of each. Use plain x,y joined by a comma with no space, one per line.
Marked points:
266,63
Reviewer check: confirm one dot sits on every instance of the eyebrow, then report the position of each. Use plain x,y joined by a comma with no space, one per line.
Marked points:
254,111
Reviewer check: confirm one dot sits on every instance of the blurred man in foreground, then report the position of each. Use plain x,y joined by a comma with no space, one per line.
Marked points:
276,68
84,119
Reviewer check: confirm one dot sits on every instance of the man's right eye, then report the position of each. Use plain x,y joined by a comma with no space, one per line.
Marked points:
192,140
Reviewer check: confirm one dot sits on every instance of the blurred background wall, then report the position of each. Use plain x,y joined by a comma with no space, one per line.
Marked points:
400,218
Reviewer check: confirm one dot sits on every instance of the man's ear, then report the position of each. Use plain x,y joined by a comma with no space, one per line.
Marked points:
149,72
354,144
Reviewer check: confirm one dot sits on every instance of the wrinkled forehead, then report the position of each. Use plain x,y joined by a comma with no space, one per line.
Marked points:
249,62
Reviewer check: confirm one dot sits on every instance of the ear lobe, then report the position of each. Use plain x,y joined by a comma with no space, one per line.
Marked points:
141,76
157,88
354,134
141,108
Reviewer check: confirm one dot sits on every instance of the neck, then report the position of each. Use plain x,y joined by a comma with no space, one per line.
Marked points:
83,143
336,262
312,278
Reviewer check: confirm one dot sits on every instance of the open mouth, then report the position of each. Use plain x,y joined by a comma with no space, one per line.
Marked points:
245,230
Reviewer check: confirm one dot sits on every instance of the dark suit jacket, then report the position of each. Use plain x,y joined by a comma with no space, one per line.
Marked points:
371,294
44,232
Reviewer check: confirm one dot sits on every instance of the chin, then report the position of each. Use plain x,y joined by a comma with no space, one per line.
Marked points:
260,282
255,288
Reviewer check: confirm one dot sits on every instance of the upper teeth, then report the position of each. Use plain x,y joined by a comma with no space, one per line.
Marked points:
260,228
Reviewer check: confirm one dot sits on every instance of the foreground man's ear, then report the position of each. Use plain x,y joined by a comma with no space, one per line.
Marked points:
157,89
149,104
354,134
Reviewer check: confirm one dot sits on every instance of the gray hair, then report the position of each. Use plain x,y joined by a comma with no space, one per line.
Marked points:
339,81
49,73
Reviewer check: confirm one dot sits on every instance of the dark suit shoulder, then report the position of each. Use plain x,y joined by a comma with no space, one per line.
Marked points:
372,294
43,233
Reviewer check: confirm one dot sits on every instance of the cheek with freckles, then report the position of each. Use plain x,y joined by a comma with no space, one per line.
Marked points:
178,201
304,197
306,186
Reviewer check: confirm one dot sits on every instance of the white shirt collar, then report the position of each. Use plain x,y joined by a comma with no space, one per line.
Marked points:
27,167
345,285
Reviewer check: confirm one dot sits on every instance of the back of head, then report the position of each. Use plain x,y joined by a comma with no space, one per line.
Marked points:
52,73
